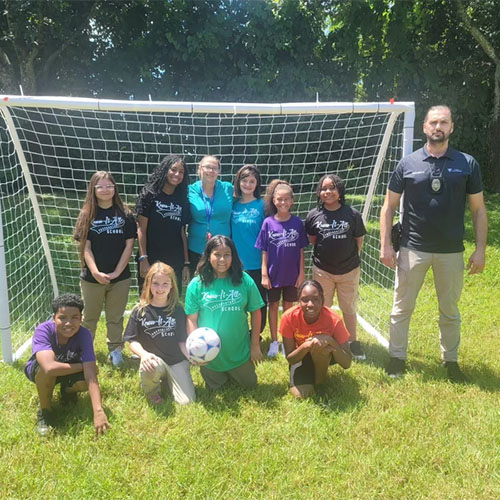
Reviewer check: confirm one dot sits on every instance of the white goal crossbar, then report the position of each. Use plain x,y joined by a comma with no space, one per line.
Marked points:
50,146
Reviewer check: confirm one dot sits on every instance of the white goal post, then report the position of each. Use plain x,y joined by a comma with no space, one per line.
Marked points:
50,147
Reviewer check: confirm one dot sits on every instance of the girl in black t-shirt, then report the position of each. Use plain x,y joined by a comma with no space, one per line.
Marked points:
162,215
105,230
157,334
336,230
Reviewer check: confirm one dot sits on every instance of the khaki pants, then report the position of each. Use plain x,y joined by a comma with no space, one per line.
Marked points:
177,377
244,375
114,298
448,269
347,286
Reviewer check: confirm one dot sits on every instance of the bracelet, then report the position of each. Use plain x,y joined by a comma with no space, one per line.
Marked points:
187,263
142,257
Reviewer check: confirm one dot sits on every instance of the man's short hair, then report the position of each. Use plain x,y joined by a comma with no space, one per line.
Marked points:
433,108
67,300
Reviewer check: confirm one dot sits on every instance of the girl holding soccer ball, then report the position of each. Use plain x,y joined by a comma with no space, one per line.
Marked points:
220,297
105,230
157,334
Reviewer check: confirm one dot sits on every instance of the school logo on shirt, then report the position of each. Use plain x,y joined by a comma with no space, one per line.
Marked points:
165,327
337,230
284,238
170,210
109,225
246,216
226,301
66,357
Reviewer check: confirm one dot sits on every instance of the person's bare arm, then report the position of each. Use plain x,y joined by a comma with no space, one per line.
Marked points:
477,260
101,424
49,365
142,230
255,351
124,259
387,253
88,255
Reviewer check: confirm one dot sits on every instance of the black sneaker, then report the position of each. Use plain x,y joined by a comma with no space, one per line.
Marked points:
43,420
396,367
357,351
67,398
455,374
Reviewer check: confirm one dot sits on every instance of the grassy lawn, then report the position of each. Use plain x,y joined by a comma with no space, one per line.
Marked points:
364,436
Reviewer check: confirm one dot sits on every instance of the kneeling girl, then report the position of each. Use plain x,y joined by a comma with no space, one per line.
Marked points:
157,334
220,297
314,337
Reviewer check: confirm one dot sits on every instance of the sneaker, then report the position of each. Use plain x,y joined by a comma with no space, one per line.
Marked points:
455,374
155,399
357,351
274,349
43,419
396,367
116,357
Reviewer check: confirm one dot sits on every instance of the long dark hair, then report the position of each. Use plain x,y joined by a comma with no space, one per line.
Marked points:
89,210
158,179
337,182
244,172
205,269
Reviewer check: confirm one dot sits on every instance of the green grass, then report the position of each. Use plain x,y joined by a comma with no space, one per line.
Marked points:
364,437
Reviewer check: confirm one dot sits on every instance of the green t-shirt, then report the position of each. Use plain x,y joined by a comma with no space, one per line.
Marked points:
223,307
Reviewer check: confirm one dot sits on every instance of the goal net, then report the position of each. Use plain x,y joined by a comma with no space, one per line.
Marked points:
50,147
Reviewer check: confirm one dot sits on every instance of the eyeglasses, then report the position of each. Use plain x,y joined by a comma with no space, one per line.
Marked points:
209,168
105,186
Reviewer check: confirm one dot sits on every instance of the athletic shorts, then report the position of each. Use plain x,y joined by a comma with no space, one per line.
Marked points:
303,373
289,294
66,380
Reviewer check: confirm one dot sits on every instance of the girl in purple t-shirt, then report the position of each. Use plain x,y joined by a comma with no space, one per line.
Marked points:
282,240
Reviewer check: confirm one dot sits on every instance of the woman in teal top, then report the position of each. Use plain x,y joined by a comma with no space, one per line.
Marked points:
211,202
221,297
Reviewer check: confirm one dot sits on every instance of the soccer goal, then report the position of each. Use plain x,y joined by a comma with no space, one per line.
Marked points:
50,147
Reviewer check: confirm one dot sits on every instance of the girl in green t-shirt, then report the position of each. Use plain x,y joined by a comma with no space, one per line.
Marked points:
220,297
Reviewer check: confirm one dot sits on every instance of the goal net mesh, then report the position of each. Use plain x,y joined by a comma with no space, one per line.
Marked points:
62,148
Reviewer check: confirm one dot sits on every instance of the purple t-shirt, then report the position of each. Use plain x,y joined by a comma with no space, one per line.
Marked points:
79,348
282,241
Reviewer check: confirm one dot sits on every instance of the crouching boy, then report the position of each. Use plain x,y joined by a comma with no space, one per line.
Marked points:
63,353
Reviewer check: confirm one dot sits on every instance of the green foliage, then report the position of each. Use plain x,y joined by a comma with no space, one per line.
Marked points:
262,50
363,436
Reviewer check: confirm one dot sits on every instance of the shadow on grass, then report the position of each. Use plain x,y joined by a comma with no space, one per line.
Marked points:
339,394
478,374
231,396
73,419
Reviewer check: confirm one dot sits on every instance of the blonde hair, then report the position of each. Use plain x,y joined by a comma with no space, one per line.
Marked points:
268,197
147,296
89,210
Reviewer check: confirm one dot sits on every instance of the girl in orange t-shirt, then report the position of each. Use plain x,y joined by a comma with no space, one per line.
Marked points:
314,337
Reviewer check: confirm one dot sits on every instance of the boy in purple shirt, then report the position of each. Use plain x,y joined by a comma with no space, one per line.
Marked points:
63,353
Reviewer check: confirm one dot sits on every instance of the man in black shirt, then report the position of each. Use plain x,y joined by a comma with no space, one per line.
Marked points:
435,181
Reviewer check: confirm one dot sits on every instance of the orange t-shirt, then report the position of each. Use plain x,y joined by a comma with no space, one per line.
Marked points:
294,326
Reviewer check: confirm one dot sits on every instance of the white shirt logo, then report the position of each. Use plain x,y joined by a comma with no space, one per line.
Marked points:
110,225
285,238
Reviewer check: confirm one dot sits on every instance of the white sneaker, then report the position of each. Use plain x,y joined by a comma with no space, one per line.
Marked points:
274,349
116,357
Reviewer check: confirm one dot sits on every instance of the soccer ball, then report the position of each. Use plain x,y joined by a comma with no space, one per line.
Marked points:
203,345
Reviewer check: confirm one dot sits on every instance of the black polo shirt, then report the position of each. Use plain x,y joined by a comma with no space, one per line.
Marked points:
434,222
